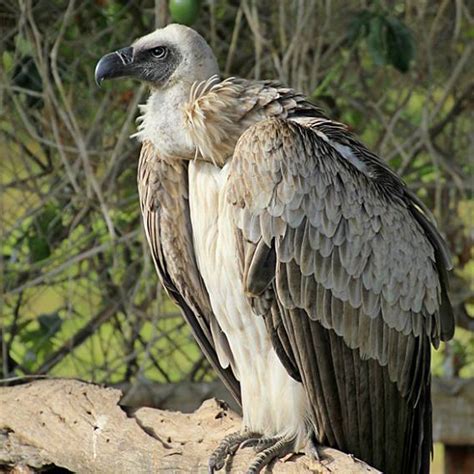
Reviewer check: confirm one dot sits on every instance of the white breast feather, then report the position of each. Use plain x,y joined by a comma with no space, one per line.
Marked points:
273,403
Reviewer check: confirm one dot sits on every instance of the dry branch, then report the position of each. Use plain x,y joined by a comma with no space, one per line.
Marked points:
82,428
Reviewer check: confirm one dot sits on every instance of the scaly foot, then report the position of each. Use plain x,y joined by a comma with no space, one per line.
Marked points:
268,449
228,446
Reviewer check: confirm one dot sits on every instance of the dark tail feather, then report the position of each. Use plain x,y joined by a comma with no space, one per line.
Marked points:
418,439
357,409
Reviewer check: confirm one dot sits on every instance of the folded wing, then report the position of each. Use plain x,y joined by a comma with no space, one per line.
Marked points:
349,274
163,189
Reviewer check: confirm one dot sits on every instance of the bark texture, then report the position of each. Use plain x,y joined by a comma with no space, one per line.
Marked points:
82,428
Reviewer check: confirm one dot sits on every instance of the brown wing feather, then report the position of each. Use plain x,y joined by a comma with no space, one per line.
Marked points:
356,282
164,204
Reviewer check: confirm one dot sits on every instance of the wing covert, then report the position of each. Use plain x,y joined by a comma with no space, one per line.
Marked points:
349,275
348,250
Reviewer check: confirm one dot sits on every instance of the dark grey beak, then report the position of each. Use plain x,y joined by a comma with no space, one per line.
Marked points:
116,64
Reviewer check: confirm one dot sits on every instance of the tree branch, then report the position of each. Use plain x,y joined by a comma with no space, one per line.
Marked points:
81,427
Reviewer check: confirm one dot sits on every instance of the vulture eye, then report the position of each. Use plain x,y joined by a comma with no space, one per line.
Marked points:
160,52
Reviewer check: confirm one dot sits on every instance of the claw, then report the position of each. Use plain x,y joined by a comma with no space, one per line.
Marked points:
312,451
279,447
268,448
227,447
250,443
264,443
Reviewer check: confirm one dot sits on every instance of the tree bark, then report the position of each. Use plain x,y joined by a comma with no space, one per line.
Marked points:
82,428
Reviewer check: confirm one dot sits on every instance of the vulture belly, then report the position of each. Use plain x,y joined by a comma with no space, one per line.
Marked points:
273,403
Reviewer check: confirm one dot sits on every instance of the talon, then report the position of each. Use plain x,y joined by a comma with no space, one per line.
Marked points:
250,443
279,447
217,465
264,443
312,450
227,447
268,448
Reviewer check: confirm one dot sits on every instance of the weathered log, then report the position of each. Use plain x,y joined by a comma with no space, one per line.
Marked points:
81,427
453,403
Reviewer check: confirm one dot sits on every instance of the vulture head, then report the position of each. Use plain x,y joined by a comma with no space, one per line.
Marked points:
170,55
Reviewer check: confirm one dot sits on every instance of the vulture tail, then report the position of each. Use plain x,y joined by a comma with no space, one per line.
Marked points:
356,407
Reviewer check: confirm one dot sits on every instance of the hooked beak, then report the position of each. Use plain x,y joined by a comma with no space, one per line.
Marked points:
116,64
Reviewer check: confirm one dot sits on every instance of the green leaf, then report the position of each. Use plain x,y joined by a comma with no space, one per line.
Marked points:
328,79
26,74
29,359
112,11
359,25
45,229
39,248
23,45
7,61
400,44
354,118
50,324
73,32
376,40
469,33
389,41
49,221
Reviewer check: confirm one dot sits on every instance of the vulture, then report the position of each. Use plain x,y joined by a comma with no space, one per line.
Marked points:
312,279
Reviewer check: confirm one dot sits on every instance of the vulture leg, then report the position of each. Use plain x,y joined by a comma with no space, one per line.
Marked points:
260,444
279,447
228,446
312,450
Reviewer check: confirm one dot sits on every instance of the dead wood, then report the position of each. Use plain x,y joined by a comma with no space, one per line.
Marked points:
82,428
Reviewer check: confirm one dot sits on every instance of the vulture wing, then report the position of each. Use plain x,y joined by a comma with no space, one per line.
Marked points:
162,187
349,274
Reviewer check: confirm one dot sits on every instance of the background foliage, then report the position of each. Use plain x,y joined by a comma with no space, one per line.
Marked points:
79,296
